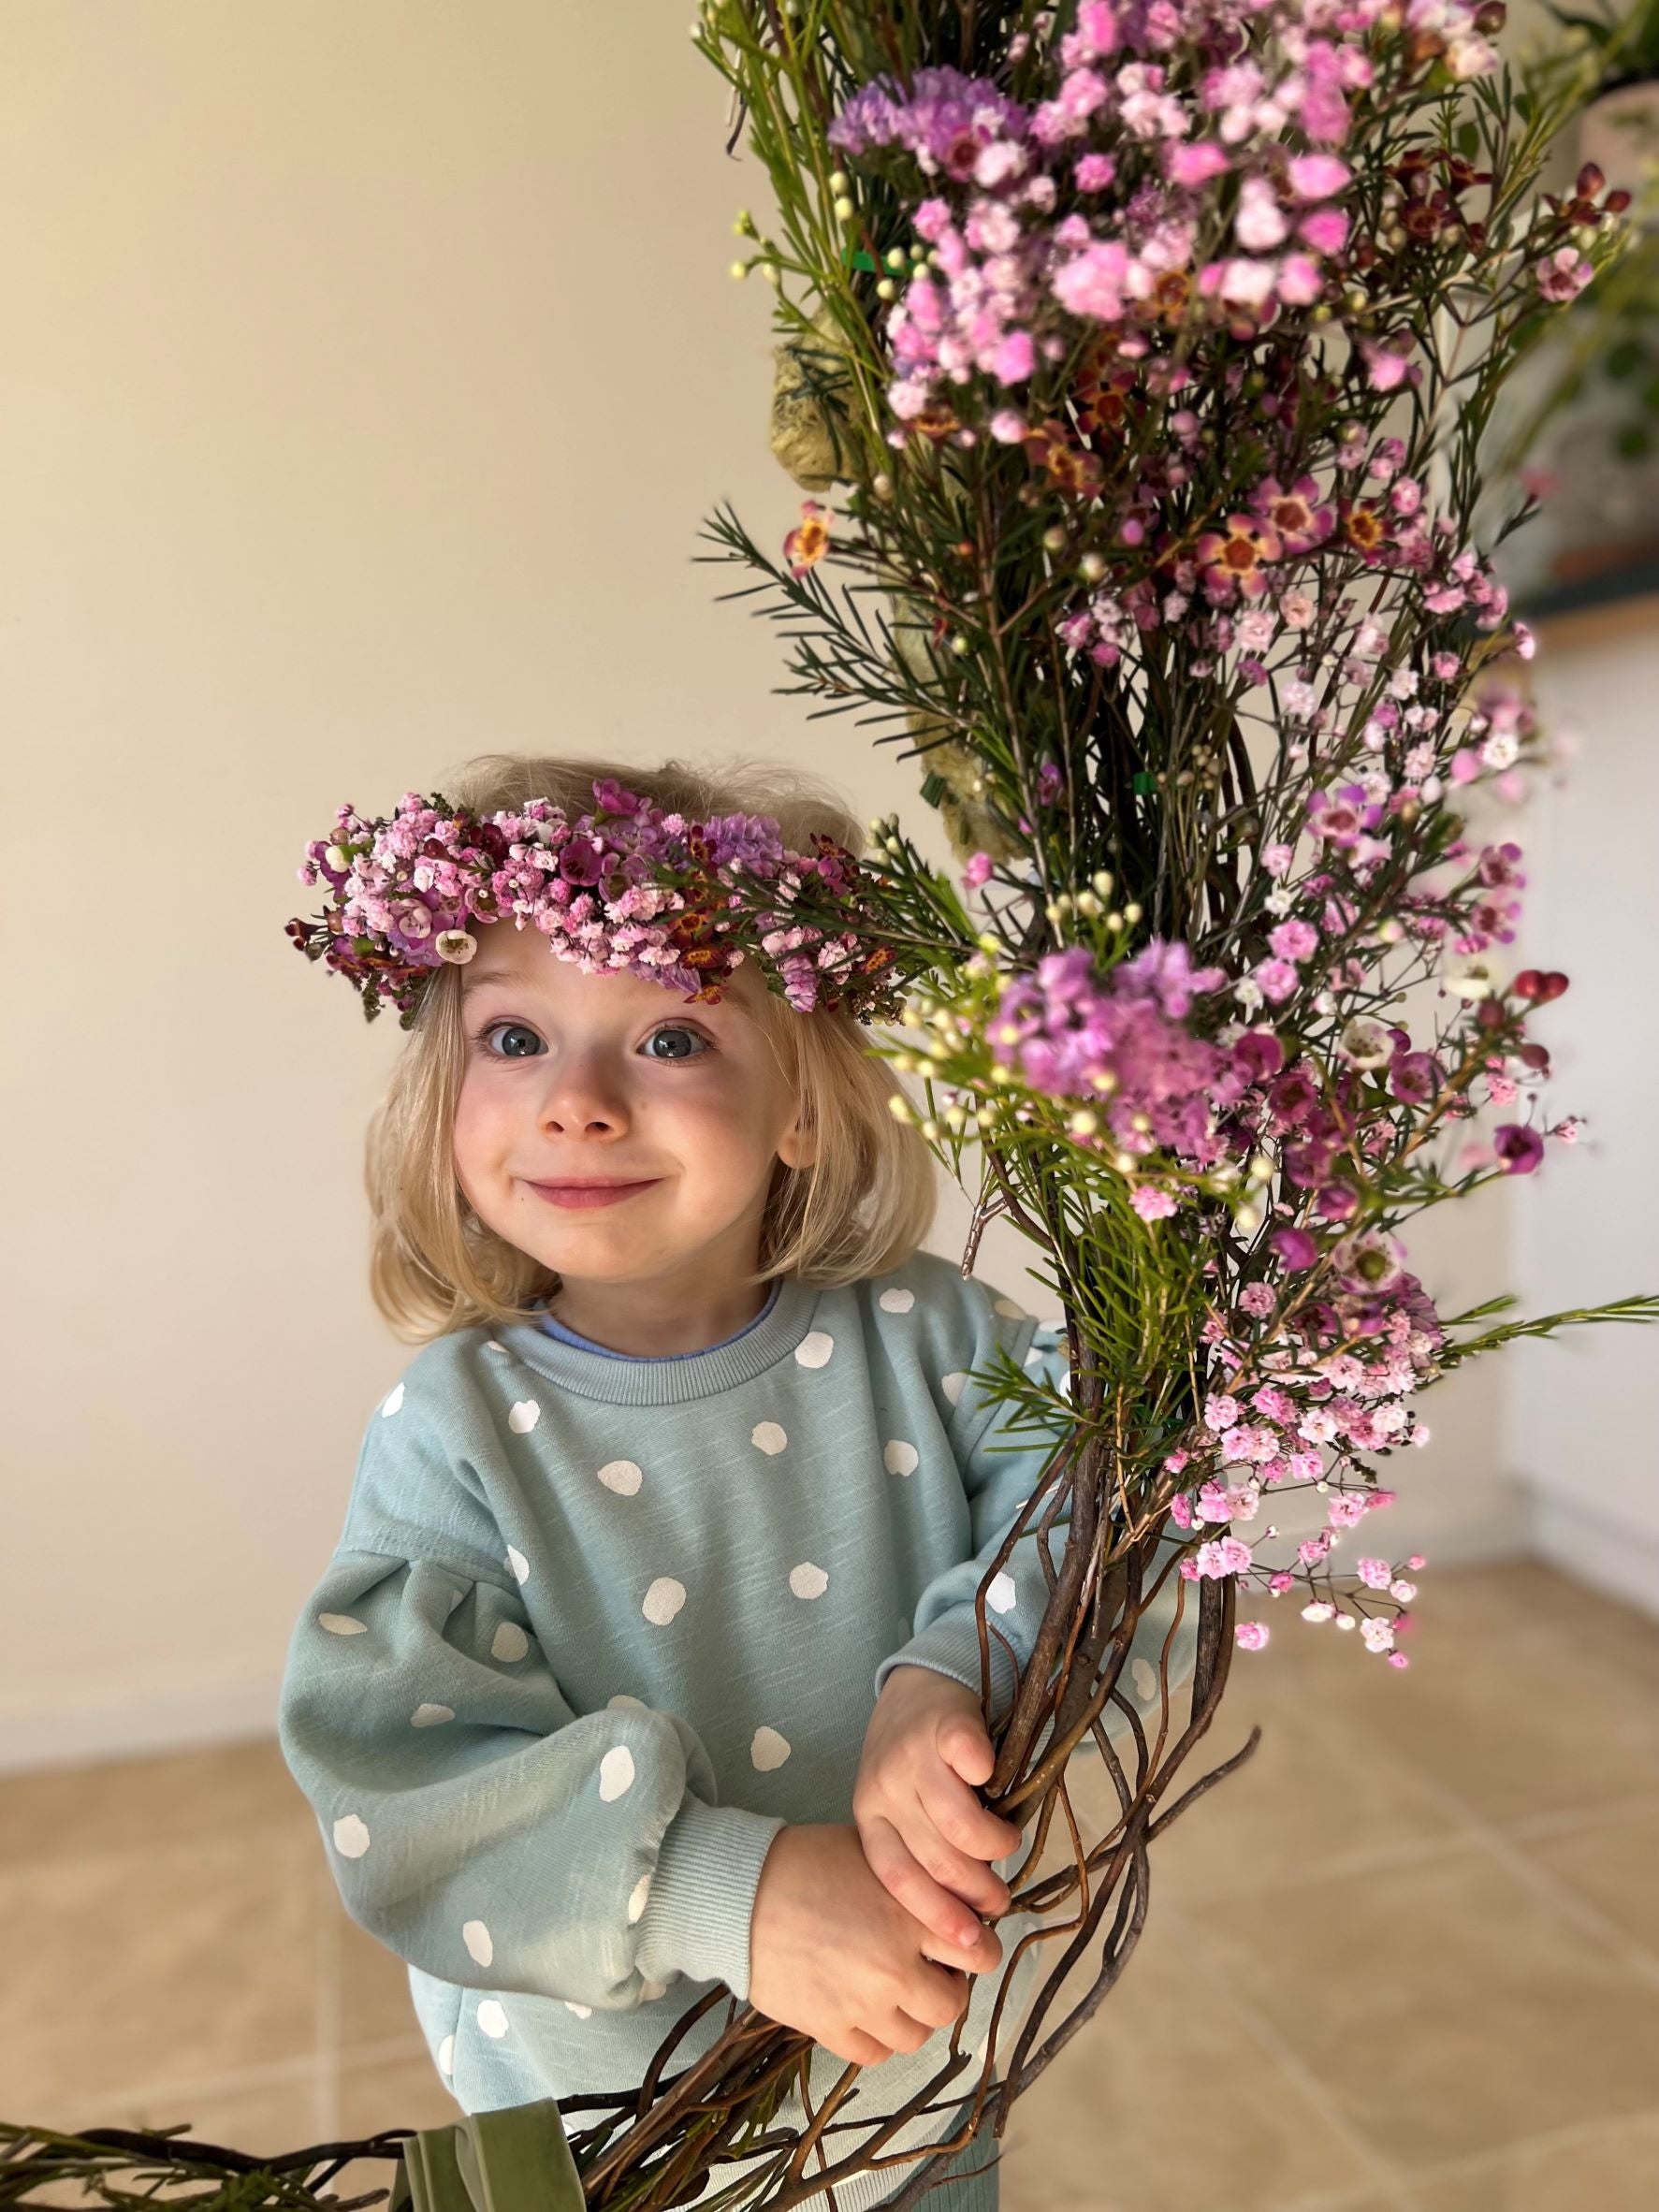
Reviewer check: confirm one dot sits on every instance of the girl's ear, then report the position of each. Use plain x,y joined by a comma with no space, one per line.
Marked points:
795,1148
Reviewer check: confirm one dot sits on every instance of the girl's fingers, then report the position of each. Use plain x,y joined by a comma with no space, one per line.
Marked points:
932,1904
963,1823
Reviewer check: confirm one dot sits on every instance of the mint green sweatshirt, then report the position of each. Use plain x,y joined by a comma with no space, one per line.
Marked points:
596,1628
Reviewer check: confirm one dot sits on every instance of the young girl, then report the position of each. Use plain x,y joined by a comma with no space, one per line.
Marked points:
647,1660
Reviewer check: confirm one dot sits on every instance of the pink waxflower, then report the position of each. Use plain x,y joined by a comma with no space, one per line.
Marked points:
1191,163
1563,274
1251,1636
1151,1204
1318,175
1295,1248
1520,1149
976,869
1293,939
1278,978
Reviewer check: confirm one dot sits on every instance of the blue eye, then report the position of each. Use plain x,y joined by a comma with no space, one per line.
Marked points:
510,1029
675,1029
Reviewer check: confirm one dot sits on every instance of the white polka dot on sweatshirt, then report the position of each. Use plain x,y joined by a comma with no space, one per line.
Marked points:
446,2056
768,1750
524,1417
493,1346
392,1402
351,1836
479,1942
662,1600
431,1716
616,1773
342,1624
583,2012
1007,1307
767,1436
519,1564
622,1476
650,1991
509,1642
952,1383
1144,1680
896,1302
492,2018
900,1458
815,1348
637,1898
1001,1595
623,1697
807,1581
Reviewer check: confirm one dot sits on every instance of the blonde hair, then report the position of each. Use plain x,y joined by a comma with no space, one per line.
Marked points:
861,1206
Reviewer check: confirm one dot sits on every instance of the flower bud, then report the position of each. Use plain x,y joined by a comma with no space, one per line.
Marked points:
1083,1122
900,1107
844,210
1103,883
837,180
1092,568
1131,913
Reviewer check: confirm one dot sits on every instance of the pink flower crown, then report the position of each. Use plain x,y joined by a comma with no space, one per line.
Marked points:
627,885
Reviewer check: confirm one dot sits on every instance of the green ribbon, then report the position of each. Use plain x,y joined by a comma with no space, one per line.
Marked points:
516,2160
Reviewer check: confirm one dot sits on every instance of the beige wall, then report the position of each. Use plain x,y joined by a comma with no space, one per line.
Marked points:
367,371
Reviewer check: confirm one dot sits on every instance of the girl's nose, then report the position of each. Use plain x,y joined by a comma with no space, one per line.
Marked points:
581,1095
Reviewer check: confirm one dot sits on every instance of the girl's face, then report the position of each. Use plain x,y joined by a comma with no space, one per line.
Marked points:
579,1078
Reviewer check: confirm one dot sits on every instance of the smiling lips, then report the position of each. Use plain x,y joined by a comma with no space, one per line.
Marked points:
581,1195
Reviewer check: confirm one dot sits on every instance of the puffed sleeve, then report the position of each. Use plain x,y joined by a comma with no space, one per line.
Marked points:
482,1829
1000,1468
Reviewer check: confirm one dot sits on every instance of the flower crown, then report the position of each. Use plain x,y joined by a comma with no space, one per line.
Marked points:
626,885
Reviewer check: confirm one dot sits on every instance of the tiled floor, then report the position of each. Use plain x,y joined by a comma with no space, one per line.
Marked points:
1406,1959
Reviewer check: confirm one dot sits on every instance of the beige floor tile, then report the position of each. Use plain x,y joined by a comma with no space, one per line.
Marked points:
133,1804
1615,2169
1611,1864
1312,1794
370,2002
180,1962
1443,2006
406,2092
1508,1723
1105,2125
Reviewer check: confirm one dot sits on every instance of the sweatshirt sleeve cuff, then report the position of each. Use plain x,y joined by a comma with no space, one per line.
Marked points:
697,1915
951,1646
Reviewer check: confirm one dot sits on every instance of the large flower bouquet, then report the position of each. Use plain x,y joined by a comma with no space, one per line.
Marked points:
1153,346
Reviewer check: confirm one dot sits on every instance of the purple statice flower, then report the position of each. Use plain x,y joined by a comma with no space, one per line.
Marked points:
1115,1041
947,121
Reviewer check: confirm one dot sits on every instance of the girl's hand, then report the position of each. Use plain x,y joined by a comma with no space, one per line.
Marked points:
925,1835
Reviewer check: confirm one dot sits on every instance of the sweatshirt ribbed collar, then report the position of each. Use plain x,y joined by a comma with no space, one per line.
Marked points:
670,1382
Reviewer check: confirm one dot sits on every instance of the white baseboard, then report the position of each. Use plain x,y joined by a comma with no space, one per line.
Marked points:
132,1723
